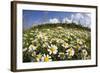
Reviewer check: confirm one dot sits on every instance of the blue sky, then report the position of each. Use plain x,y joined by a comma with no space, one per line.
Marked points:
33,17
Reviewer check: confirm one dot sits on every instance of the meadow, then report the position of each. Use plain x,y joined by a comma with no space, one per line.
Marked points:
56,42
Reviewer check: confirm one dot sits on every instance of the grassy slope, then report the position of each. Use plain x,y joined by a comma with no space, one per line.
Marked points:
61,31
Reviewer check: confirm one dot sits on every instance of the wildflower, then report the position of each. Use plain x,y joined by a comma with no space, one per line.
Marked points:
61,55
38,57
52,49
25,35
33,54
85,46
79,41
31,33
65,45
70,52
84,54
60,27
59,41
40,35
45,44
34,41
32,48
32,57
78,47
45,38
31,39
48,29
46,58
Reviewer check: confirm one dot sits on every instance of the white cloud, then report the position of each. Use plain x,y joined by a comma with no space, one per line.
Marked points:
83,19
76,18
72,17
54,20
88,20
88,14
66,20
79,18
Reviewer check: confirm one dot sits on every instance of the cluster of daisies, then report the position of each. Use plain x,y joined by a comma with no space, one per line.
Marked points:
56,44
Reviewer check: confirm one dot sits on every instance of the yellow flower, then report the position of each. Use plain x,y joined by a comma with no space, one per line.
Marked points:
52,49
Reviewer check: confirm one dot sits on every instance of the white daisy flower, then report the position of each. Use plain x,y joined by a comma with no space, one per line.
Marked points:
79,41
52,49
46,58
65,45
84,54
70,52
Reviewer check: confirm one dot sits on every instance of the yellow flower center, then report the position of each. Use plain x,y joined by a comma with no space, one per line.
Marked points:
52,49
46,59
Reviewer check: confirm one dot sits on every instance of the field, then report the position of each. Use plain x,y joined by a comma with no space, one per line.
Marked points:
56,42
